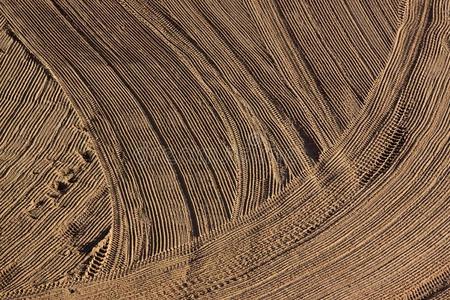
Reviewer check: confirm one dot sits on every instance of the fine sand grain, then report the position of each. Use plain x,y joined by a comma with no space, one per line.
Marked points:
224,149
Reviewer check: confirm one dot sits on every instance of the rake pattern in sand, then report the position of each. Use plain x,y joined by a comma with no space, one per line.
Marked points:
240,149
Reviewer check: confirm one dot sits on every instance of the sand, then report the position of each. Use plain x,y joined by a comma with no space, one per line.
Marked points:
224,149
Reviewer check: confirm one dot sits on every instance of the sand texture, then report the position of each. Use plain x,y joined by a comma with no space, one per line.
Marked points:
225,149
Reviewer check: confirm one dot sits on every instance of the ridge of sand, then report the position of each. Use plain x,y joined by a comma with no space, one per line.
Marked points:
227,149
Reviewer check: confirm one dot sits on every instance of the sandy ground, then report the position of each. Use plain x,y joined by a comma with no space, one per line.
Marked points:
224,149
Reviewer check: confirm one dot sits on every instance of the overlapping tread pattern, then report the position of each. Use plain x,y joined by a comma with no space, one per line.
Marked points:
235,137
51,186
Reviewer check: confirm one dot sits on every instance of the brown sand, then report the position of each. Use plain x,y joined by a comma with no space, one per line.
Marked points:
224,149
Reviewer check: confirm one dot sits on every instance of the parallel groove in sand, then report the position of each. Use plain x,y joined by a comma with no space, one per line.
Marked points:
46,148
312,156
